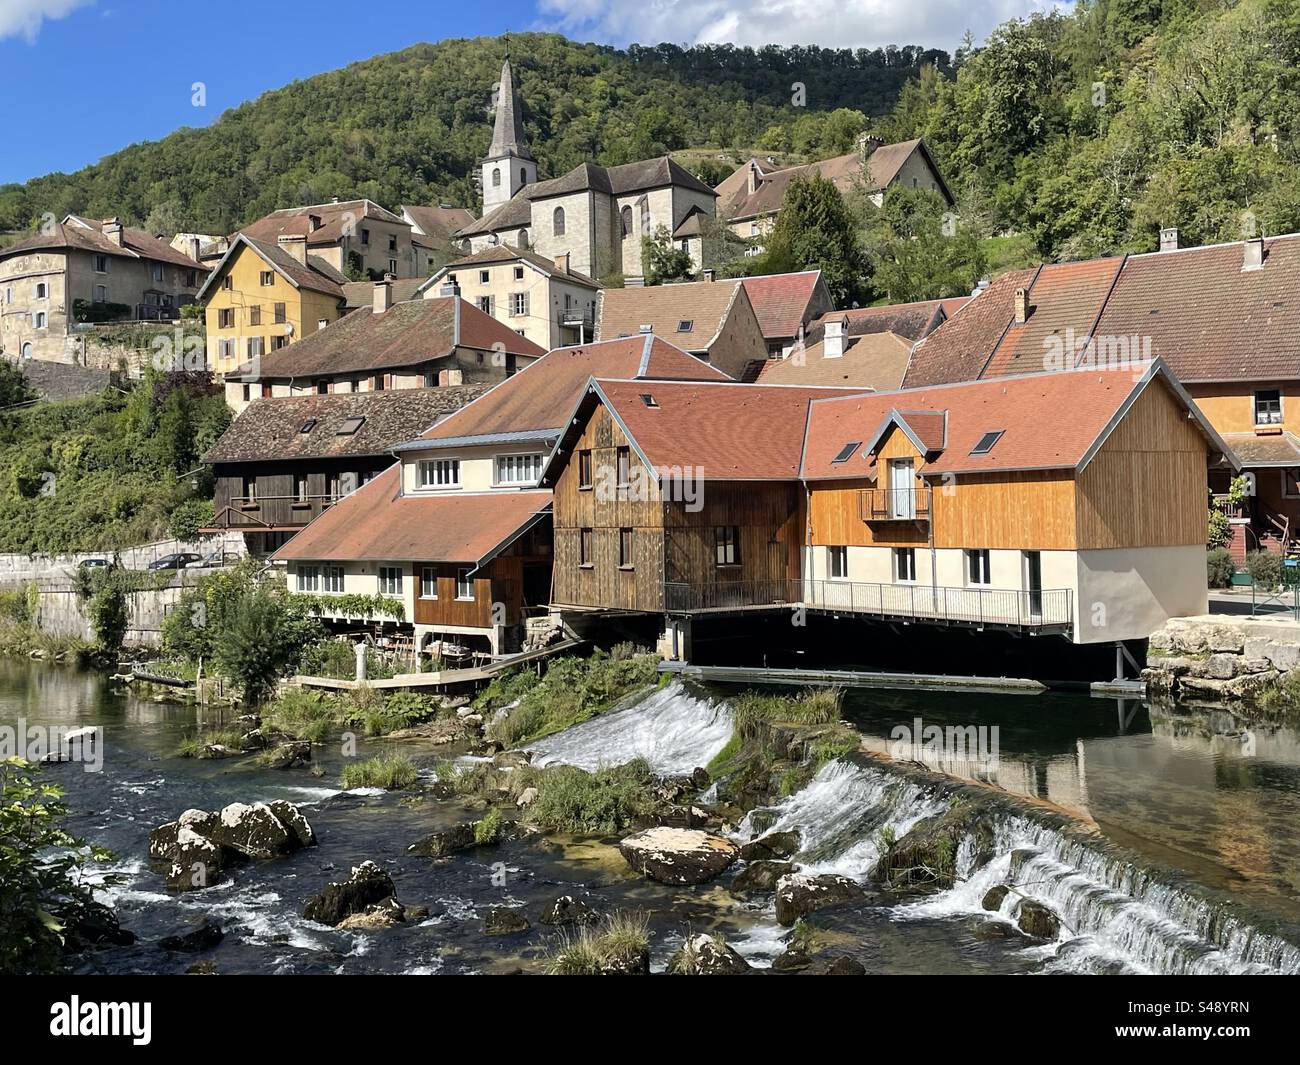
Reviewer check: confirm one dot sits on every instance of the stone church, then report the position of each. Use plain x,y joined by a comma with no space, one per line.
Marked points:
598,215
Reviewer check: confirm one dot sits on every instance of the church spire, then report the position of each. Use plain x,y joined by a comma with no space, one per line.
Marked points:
508,136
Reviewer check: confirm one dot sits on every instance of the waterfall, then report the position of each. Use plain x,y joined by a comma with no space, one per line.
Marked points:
1116,914
672,728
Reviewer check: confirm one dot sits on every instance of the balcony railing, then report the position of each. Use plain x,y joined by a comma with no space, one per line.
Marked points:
253,512
894,504
1050,608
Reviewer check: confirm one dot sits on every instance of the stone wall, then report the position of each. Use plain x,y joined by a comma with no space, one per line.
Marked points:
61,613
18,569
1221,659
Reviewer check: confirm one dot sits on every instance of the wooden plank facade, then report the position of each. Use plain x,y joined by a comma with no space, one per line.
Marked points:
271,495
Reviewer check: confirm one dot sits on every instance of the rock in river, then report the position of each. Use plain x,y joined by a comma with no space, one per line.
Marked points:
705,955
801,894
366,887
200,844
206,936
566,910
503,921
678,855
1037,920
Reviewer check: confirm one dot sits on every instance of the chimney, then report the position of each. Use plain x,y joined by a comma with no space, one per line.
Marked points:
709,274
833,341
455,321
314,222
383,294
753,176
868,143
1022,306
1254,257
293,245
1169,239
113,230
562,262
646,329
455,377
334,199
196,248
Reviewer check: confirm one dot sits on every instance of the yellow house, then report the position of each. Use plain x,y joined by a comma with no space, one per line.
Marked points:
262,297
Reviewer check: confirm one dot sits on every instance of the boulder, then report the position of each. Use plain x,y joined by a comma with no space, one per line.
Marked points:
94,925
366,887
292,818
1037,920
800,894
678,855
1220,666
253,830
566,910
195,862
287,755
791,960
773,845
700,777
994,897
381,915
503,921
761,876
845,966
1020,857
705,955
1251,685
206,936
448,841
526,798
926,857
1223,638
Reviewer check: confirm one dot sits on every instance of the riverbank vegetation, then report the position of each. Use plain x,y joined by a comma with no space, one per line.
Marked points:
390,772
620,944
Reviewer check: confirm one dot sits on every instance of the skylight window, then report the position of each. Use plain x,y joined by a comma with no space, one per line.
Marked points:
308,425
987,442
846,452
686,325
648,399
350,426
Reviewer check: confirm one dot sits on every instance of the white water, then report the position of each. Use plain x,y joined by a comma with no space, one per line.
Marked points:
672,728
1115,916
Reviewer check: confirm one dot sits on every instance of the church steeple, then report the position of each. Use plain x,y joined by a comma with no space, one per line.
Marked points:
509,165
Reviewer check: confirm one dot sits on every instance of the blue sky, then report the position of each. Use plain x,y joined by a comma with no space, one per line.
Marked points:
91,76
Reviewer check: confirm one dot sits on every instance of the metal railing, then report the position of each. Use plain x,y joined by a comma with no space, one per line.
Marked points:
1048,608
894,504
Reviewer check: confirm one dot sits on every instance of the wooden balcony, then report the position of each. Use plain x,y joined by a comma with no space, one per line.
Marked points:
894,504
272,512
1048,610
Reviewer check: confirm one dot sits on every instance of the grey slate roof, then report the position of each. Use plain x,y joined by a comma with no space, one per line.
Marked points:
508,136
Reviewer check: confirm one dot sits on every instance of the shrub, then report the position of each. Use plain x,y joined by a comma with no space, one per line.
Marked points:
390,772
108,613
262,635
189,517
1264,567
621,944
606,801
814,706
488,830
1219,568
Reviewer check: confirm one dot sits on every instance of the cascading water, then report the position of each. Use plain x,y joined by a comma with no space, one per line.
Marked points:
672,728
1115,914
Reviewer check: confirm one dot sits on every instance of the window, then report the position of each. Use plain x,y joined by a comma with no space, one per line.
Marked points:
584,547
905,564
101,265
350,426
518,304
726,541
523,176
496,177
625,218
390,580
226,318
248,389
255,315
266,278
280,318
227,283
644,204
156,271
266,391
584,469
308,425
846,452
9,293
354,385
987,442
557,222
623,466
254,347
686,325
322,388
521,239
392,266
464,584
625,549
392,242
226,349
519,273
902,489
300,488
429,582
250,489
321,323
518,469
440,473
333,579
484,276
649,400
377,383
485,304
1268,407
191,278
365,238
308,578
279,342
838,562
42,290
40,320
977,566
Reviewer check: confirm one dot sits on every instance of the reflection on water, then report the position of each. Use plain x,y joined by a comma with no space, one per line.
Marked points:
1198,791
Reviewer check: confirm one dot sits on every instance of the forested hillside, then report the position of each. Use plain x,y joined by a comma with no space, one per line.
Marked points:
411,126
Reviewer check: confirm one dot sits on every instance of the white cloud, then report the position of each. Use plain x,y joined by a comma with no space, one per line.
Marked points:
23,18
831,23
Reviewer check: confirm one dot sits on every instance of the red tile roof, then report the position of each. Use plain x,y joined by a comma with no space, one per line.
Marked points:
873,361
72,236
781,301
332,219
727,432
376,523
542,395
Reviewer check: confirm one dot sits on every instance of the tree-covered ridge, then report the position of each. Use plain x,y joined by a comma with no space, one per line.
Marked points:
411,127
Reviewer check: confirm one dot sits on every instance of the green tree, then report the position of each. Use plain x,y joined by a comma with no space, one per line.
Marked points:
919,250
815,230
664,260
14,388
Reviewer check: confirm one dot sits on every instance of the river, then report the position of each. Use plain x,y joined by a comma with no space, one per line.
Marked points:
1186,858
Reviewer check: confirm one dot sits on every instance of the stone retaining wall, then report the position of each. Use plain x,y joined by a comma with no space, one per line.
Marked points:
1219,658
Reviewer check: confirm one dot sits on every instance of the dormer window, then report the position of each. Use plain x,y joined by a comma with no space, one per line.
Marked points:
1268,407
440,473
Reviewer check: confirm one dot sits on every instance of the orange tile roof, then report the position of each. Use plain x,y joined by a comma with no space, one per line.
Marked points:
376,523
542,394
702,305
781,301
875,361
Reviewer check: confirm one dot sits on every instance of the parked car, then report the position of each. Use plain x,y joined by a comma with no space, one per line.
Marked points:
95,564
212,558
177,560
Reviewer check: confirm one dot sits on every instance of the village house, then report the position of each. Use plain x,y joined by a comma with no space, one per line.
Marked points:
866,346
713,320
433,234
285,461
750,198
263,296
460,525
358,238
55,284
786,305
539,298
597,215
422,343
1222,318
1068,503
